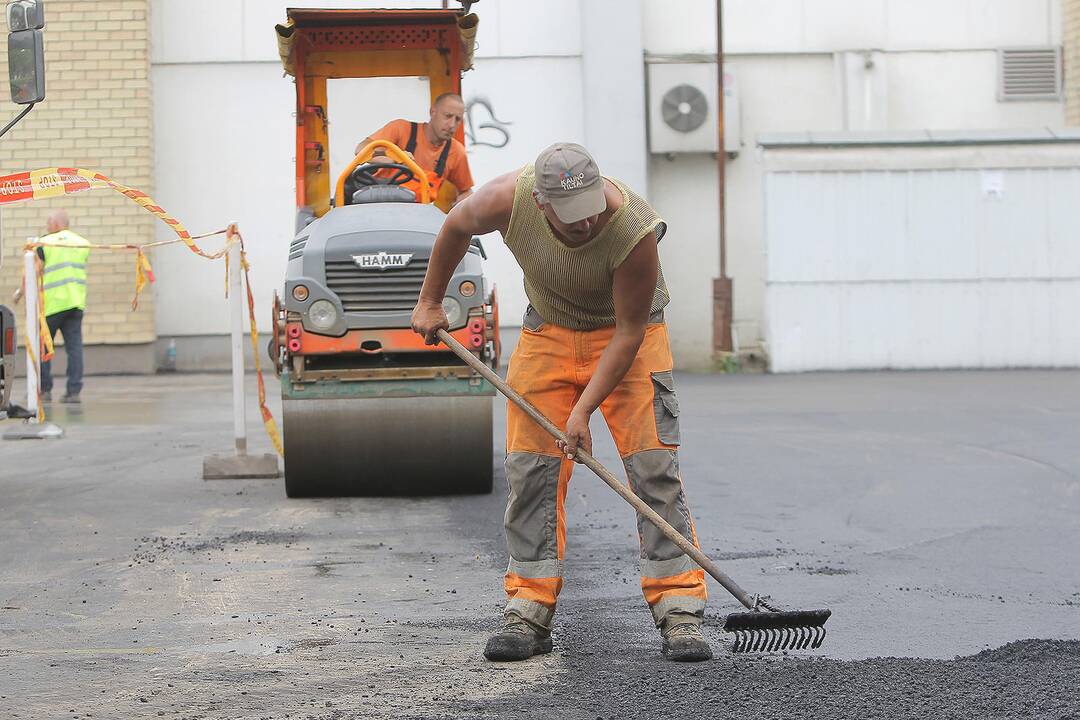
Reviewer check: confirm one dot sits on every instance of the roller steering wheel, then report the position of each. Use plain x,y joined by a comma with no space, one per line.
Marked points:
365,174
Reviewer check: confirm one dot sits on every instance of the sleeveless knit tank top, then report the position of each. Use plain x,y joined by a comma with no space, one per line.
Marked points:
572,286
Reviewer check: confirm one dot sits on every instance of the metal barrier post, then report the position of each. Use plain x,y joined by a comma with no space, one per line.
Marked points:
33,335
236,311
240,465
31,429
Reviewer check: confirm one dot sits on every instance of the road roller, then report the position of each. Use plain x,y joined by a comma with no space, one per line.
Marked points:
368,408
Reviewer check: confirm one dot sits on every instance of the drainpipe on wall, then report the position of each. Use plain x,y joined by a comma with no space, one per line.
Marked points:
722,292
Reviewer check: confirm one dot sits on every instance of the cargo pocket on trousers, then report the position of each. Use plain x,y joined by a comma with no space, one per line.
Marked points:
666,407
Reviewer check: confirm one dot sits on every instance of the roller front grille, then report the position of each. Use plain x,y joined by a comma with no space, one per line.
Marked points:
366,291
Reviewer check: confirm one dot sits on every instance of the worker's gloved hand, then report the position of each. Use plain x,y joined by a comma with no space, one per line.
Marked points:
427,318
577,435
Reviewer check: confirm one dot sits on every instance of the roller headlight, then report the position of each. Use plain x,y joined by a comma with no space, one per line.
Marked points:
322,314
452,308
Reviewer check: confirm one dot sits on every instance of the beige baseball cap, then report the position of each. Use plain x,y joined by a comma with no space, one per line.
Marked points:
568,177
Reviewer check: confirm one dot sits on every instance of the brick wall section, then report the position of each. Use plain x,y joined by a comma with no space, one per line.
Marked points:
1071,32
96,115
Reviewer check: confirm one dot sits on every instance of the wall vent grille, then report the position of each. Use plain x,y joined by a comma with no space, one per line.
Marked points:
1029,74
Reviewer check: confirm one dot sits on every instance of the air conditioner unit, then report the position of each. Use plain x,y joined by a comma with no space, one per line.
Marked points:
682,108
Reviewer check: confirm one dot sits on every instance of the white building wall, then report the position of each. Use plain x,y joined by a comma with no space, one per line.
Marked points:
802,26
613,88
935,68
571,70
957,90
222,155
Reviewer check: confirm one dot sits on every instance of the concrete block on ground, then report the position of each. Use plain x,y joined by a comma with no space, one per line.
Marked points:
34,431
233,467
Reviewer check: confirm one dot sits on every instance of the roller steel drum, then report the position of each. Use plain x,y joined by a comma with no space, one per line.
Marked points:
361,438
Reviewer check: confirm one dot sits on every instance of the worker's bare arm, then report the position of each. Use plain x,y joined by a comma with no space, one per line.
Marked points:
633,289
378,155
486,210
463,196
364,143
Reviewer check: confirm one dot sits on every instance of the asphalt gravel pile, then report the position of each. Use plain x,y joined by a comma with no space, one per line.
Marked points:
1030,651
1038,679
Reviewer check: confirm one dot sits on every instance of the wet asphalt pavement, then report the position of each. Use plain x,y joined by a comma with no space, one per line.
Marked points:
936,514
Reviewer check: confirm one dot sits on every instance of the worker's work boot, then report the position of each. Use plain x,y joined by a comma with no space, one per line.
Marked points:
683,641
70,399
517,640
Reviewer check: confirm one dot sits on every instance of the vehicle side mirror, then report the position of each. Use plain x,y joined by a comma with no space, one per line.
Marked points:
26,51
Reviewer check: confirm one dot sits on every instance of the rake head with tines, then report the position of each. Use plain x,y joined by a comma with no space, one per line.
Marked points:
771,631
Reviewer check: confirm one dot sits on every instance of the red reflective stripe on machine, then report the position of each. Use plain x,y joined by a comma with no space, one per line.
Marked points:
390,340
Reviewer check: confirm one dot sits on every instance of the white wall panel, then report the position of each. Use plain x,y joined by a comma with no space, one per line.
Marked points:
805,26
260,16
358,107
615,112
922,268
956,90
760,26
1064,342
922,24
193,31
846,25
1013,323
552,27
1062,212
243,30
684,193
220,161
919,225
684,26
188,31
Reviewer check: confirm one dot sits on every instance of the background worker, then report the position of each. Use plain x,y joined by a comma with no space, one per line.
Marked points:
433,145
64,283
593,337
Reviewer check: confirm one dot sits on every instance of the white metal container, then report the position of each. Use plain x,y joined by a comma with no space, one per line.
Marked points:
926,250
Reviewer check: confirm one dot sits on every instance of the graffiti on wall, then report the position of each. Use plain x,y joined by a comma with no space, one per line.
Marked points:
482,126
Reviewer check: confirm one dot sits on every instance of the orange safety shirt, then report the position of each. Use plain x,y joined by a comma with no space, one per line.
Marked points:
427,155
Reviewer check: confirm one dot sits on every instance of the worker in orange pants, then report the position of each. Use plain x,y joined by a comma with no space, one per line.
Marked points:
593,338
550,368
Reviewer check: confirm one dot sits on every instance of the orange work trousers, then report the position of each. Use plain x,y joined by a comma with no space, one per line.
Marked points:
550,367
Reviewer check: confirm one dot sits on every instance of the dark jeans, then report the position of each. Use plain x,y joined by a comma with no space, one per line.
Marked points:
69,323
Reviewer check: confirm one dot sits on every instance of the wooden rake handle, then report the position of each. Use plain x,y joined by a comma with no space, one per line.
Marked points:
590,462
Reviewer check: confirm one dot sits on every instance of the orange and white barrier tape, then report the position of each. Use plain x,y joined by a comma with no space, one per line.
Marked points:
54,182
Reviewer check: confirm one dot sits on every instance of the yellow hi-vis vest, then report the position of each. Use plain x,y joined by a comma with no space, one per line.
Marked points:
64,277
